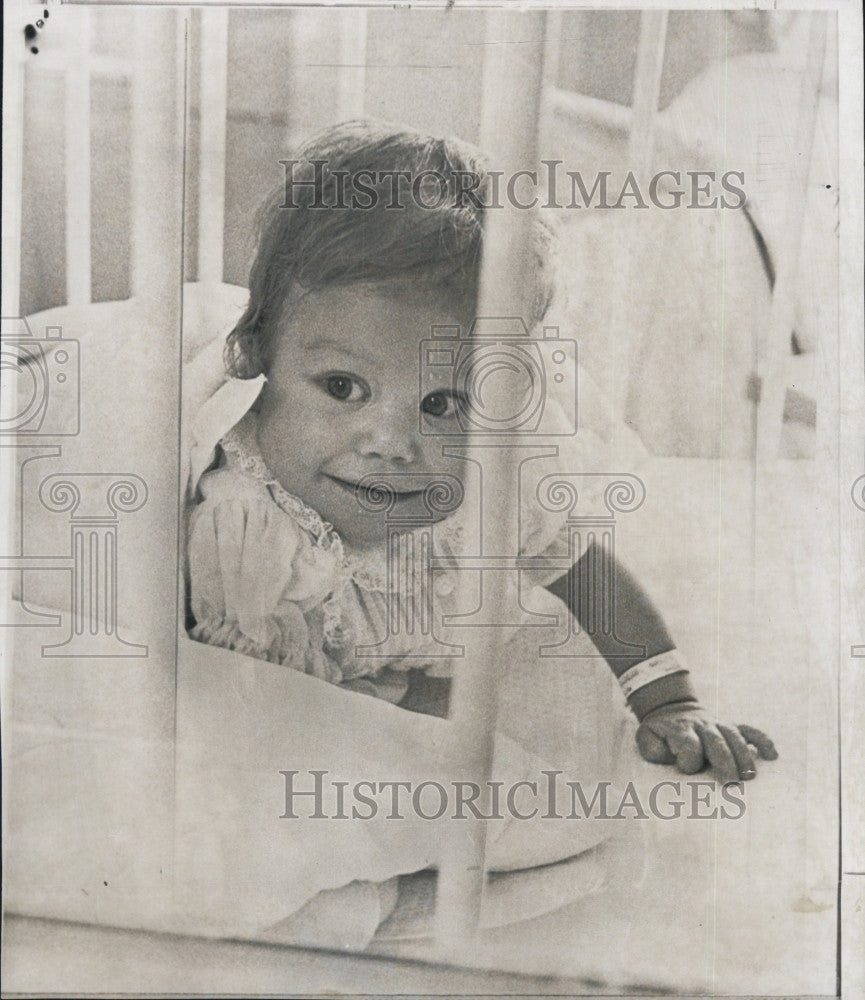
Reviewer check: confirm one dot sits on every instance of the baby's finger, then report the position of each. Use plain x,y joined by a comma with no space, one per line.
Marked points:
760,741
653,748
742,754
719,754
688,750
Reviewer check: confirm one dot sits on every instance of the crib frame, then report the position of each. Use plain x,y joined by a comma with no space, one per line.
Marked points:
528,86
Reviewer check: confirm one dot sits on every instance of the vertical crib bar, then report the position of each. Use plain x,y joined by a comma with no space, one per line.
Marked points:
214,103
647,90
10,290
351,79
769,475
772,367
158,73
640,150
77,133
13,136
13,143
512,79
553,48
156,152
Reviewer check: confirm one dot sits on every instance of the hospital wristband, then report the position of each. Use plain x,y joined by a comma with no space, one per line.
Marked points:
649,671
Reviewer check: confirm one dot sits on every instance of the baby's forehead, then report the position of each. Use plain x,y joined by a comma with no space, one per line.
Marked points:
369,316
329,346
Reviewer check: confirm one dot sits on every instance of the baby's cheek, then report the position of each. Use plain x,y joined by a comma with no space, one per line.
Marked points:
287,440
454,490
291,412
437,461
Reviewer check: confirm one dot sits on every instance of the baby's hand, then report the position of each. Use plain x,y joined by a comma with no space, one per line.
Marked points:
687,736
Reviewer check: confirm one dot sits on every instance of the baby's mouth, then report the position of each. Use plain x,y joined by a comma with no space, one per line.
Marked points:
355,490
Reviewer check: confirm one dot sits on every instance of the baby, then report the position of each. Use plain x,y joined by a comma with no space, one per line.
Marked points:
287,550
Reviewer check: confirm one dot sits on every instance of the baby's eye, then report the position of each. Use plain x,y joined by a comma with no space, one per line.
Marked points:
344,387
440,404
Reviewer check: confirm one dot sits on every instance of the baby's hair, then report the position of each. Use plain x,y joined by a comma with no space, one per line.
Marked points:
309,237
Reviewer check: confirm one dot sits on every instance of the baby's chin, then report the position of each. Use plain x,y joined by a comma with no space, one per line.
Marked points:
364,537
367,531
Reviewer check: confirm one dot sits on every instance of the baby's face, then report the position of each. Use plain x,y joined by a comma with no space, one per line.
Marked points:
344,399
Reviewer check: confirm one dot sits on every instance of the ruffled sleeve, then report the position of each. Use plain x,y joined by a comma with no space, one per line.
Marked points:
257,581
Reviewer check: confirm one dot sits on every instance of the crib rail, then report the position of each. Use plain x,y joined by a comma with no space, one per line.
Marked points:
13,144
647,89
516,68
78,152
214,114
512,80
772,367
352,72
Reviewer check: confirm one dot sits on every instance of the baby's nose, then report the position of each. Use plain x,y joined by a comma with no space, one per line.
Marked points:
390,434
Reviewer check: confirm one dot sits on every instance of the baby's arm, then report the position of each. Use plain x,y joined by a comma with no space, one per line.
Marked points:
674,728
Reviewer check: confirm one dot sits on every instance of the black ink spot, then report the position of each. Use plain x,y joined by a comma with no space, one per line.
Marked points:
105,883
31,31
828,186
